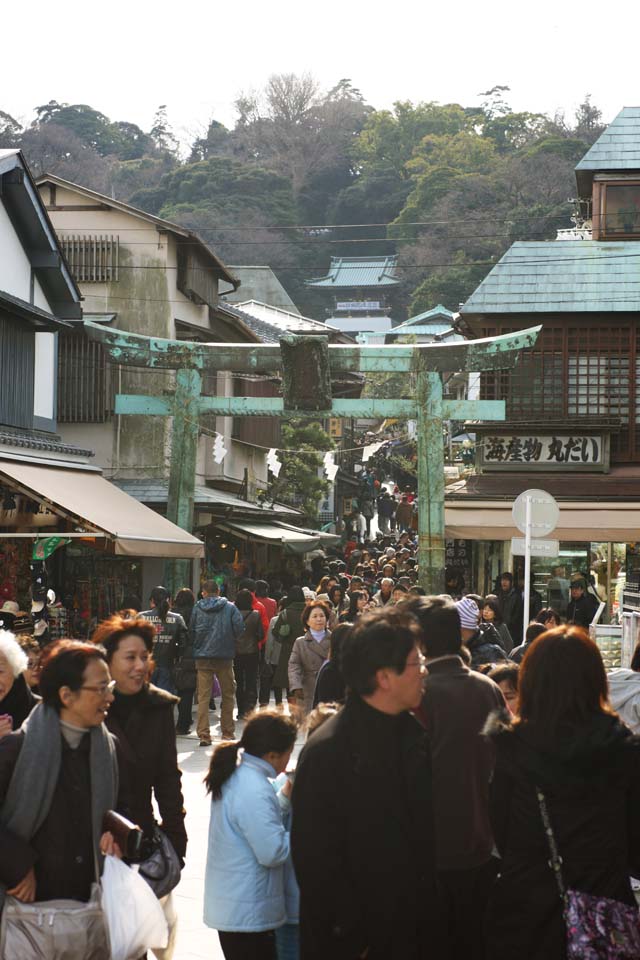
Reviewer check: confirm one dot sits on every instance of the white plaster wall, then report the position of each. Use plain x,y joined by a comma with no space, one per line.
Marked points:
44,376
91,436
39,298
15,269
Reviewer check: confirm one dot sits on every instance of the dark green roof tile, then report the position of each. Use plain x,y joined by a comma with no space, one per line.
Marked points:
561,276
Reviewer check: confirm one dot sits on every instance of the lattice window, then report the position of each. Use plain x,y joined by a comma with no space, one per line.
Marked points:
582,371
85,387
92,259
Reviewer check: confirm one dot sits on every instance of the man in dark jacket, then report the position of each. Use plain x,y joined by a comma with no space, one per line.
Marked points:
583,606
362,834
215,625
511,604
455,707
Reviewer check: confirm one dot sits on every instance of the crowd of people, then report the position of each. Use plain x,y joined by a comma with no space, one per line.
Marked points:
456,788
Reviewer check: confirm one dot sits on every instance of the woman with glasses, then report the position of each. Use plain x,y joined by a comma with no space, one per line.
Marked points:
141,718
16,699
58,777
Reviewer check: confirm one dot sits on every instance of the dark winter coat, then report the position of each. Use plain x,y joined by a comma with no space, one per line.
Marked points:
454,710
591,781
484,646
143,725
61,850
250,638
292,616
583,610
19,702
169,639
184,675
512,609
329,684
362,839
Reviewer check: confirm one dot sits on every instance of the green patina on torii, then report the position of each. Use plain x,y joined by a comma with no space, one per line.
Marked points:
307,364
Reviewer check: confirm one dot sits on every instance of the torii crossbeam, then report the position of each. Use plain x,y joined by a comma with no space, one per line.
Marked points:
307,364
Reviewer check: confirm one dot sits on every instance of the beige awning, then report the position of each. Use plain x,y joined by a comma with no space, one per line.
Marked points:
291,539
135,530
617,522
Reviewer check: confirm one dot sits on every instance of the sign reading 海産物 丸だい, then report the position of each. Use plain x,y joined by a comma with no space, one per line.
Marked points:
532,451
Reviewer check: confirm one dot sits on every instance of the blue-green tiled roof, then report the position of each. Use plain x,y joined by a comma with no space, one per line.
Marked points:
366,272
430,318
618,148
561,276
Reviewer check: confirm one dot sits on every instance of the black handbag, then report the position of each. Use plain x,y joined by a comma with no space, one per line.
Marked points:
161,870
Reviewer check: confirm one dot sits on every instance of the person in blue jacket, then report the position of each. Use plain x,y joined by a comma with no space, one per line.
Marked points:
244,895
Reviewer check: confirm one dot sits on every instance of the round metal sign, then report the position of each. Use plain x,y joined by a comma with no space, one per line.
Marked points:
544,512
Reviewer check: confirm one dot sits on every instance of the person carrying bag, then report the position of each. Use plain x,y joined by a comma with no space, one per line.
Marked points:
58,777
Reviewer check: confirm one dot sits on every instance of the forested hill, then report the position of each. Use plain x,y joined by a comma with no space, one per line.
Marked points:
306,174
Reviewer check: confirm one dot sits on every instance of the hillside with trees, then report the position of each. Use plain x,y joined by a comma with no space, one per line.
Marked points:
307,173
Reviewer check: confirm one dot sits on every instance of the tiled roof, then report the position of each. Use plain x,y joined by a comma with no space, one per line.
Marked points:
618,148
259,283
269,323
366,272
157,491
438,317
564,276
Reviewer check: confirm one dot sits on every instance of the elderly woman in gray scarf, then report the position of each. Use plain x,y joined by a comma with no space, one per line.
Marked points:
58,777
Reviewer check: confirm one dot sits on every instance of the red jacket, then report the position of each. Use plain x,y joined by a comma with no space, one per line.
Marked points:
259,606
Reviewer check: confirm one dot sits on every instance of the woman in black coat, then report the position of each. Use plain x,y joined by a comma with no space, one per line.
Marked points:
568,742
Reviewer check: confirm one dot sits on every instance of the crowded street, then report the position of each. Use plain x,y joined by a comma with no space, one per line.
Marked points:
319,486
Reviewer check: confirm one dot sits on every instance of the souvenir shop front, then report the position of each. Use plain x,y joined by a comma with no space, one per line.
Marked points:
270,551
73,547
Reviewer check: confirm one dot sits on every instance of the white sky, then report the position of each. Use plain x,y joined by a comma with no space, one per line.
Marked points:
125,57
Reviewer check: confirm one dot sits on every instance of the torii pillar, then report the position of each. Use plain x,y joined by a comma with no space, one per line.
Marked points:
307,365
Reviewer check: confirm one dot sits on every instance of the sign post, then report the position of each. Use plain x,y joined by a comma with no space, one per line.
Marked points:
535,513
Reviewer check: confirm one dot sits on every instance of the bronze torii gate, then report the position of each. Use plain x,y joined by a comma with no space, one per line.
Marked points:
307,364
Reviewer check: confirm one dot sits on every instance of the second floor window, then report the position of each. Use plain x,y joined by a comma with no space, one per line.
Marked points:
621,208
92,258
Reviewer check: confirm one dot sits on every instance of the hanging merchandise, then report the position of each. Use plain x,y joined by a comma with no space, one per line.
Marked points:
42,549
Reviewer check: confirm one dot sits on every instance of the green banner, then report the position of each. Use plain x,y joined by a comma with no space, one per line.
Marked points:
42,549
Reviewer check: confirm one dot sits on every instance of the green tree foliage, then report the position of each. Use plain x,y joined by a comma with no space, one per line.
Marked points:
448,187
300,481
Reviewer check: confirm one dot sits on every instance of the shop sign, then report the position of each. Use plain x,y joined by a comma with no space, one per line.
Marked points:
560,451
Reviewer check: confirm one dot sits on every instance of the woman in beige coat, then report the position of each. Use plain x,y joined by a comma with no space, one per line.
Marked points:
309,653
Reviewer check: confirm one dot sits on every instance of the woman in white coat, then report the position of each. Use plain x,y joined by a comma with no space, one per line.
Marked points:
624,692
248,843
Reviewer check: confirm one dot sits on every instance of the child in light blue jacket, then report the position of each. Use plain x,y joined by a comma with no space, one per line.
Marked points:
248,844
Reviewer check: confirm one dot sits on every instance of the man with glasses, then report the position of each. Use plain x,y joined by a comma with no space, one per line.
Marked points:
362,834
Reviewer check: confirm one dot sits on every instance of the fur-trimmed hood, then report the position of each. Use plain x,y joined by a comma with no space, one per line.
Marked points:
158,697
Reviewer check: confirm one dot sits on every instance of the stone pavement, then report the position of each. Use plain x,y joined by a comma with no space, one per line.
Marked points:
195,941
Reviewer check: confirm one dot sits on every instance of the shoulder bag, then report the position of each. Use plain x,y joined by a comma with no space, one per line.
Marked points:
597,928
55,929
282,627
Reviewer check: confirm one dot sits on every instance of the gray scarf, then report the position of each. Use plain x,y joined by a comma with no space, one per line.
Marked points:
36,773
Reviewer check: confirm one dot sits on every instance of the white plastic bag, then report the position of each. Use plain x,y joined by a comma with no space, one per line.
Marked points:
133,915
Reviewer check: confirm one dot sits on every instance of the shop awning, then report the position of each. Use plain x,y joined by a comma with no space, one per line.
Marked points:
135,530
292,539
581,521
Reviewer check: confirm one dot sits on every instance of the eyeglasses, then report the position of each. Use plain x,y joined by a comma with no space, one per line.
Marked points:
103,689
420,662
